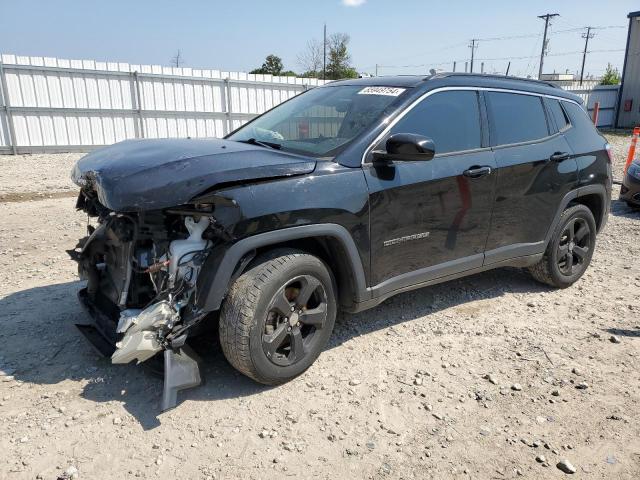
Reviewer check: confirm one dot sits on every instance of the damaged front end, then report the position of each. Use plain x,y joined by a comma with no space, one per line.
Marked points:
141,270
156,219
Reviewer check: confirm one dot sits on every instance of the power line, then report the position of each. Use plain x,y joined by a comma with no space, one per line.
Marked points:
561,54
495,39
526,72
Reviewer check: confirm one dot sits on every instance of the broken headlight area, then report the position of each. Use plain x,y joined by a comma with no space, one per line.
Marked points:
141,271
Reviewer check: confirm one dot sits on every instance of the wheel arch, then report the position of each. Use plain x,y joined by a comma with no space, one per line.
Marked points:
594,197
330,242
595,203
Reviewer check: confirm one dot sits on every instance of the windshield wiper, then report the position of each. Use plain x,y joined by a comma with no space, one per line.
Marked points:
253,141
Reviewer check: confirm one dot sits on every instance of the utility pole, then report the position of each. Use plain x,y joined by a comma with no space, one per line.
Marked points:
473,47
324,53
586,37
376,69
545,44
508,67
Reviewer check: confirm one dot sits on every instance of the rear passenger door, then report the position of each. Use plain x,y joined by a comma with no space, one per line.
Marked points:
535,169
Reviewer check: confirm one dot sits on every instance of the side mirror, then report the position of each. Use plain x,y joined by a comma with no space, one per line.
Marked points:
407,147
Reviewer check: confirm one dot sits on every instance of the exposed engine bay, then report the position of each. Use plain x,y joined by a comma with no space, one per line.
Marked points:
141,270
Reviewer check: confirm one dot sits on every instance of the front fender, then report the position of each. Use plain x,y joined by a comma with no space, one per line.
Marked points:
218,271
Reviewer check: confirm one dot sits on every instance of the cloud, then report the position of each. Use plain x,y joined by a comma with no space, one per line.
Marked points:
353,3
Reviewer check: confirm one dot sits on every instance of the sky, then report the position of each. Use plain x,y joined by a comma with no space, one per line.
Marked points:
400,36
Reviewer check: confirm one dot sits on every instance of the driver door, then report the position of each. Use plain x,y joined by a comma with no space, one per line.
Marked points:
430,219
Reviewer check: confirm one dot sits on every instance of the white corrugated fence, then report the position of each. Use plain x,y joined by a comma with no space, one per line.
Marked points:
50,104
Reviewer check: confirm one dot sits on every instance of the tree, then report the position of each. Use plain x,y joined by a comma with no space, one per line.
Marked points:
311,58
272,66
339,61
177,60
611,76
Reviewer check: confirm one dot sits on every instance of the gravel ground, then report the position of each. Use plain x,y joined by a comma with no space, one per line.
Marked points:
489,377
28,177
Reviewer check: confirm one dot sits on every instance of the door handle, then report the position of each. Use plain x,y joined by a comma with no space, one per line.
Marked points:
559,156
476,172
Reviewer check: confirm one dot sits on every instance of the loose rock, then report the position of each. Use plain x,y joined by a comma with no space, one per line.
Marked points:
566,466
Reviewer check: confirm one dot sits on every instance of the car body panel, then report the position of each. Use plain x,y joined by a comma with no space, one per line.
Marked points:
333,194
529,189
630,189
138,175
427,213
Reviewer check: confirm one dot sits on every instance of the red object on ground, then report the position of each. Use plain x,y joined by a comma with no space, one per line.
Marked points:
596,111
632,148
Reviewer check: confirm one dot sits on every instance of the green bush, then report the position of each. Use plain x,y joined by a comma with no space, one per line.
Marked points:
611,76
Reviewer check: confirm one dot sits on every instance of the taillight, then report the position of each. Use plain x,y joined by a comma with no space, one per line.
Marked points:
609,152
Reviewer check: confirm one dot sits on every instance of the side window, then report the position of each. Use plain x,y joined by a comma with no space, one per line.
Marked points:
578,116
558,114
451,119
516,118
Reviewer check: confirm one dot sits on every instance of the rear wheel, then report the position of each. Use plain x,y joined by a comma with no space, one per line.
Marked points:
570,249
278,316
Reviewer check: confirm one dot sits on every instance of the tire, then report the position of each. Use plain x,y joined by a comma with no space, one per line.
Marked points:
256,336
564,247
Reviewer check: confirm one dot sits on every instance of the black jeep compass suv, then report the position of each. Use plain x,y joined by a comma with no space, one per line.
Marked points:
336,199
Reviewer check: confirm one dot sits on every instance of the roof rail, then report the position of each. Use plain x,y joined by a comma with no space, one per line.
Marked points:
487,75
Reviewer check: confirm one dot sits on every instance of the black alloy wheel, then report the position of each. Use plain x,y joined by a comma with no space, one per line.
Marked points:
569,250
295,315
574,247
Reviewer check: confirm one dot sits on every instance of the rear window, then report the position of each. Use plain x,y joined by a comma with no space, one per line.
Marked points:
558,114
516,118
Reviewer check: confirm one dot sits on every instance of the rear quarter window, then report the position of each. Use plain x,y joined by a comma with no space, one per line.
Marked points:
516,118
579,118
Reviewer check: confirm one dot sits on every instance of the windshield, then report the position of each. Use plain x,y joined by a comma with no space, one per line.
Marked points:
320,122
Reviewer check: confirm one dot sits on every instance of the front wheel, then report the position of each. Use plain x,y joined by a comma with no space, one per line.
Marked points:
570,249
278,316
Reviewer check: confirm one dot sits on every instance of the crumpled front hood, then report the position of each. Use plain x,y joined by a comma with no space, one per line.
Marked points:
139,175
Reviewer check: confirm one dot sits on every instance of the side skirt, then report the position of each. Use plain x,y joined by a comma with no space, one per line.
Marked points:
379,297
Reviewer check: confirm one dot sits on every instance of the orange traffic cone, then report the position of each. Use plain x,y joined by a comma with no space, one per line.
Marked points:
632,148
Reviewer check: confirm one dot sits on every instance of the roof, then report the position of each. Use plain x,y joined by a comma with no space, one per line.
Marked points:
634,14
494,77
461,79
415,80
